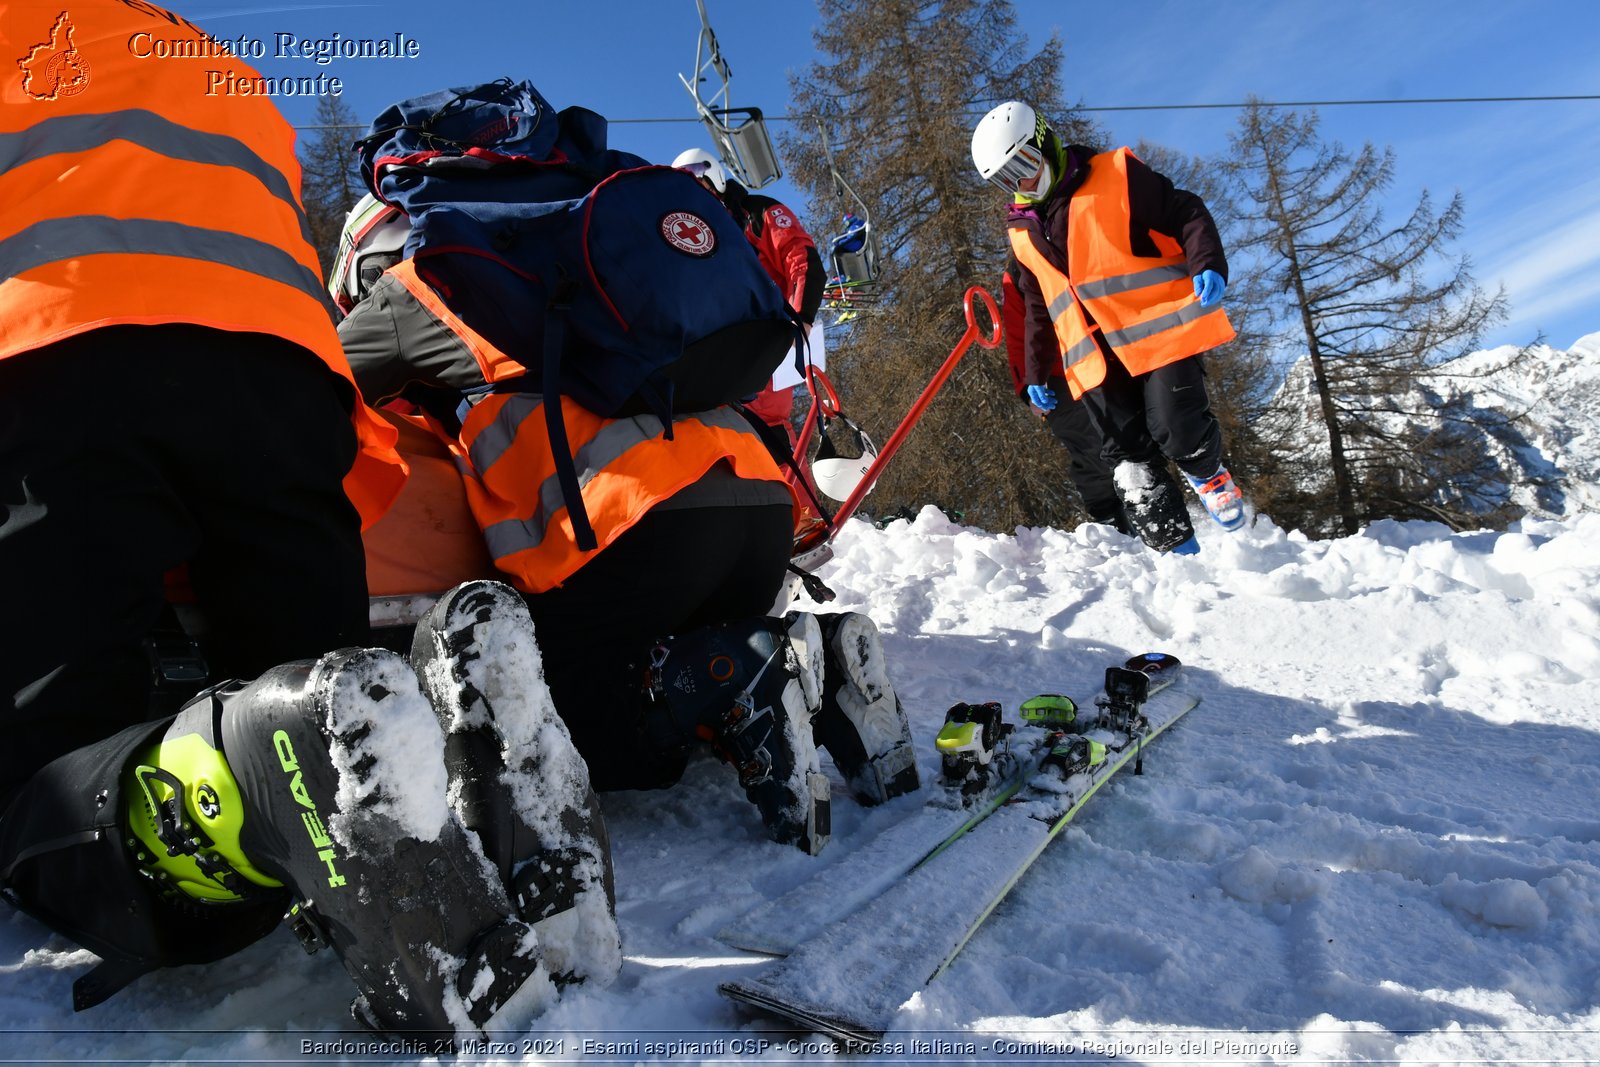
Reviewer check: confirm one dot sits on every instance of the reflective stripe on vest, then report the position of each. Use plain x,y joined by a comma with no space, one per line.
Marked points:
57,240
1148,314
592,458
67,134
624,466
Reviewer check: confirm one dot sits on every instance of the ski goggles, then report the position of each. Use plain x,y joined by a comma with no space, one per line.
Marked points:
1024,163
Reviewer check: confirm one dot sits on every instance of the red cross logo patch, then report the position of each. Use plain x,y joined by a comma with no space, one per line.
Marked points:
688,233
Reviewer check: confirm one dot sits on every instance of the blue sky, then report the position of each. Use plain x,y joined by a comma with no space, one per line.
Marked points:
1529,172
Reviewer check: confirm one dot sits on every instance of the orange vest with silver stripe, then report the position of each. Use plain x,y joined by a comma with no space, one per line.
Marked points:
625,466
1144,306
131,195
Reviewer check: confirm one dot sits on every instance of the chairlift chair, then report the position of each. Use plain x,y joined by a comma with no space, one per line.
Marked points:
740,133
853,255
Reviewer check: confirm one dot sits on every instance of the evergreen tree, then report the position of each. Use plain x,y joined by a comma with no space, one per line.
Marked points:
1375,309
330,182
900,87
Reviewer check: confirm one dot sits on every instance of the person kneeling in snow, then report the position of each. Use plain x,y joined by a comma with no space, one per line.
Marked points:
657,641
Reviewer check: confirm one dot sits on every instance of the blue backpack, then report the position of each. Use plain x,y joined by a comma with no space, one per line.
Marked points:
625,286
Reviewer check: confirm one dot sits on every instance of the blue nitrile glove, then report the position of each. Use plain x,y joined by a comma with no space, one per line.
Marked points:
1041,397
1209,287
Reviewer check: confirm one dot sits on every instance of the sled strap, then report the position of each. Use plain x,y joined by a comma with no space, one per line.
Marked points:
815,587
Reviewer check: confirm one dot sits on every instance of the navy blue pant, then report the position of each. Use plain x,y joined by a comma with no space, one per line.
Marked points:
123,453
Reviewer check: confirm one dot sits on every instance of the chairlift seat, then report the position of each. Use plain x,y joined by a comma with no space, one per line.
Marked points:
746,144
853,268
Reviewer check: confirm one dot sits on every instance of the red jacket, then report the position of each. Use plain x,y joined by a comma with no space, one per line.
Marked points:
790,256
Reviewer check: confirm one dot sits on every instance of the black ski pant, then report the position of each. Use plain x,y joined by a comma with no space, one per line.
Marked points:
673,572
1074,426
1146,420
129,450
1165,412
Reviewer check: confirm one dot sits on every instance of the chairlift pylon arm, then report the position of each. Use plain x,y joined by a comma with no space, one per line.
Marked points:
745,147
708,56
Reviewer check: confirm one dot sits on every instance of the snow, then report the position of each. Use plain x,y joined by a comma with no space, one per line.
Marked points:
1377,838
386,746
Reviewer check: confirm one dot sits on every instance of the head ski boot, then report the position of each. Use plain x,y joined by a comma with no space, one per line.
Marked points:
862,724
750,689
515,778
327,777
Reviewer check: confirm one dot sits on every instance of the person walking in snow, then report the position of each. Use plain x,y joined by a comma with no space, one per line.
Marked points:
1122,276
161,323
785,249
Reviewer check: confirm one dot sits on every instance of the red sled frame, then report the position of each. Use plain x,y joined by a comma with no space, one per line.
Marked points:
812,547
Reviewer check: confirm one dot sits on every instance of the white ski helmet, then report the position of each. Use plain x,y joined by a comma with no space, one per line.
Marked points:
372,241
837,476
1013,145
703,164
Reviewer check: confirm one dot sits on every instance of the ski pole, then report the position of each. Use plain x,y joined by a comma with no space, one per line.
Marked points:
972,334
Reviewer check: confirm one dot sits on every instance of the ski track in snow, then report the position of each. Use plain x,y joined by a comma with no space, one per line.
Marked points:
1377,838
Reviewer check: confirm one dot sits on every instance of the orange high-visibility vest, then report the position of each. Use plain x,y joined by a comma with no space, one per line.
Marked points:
624,466
1145,306
138,186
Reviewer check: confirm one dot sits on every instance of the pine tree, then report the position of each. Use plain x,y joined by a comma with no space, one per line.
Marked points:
1375,310
330,182
896,95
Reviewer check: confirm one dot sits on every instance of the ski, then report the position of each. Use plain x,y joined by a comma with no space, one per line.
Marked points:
851,978
969,791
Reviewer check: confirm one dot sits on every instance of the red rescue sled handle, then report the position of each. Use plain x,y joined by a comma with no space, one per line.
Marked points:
828,401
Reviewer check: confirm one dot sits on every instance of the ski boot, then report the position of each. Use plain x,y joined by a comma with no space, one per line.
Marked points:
967,744
516,781
326,777
1154,504
1221,497
862,725
751,689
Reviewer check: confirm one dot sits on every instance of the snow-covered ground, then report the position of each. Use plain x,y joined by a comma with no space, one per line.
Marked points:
1376,839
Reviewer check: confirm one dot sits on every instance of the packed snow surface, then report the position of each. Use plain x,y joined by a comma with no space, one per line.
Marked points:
1376,839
